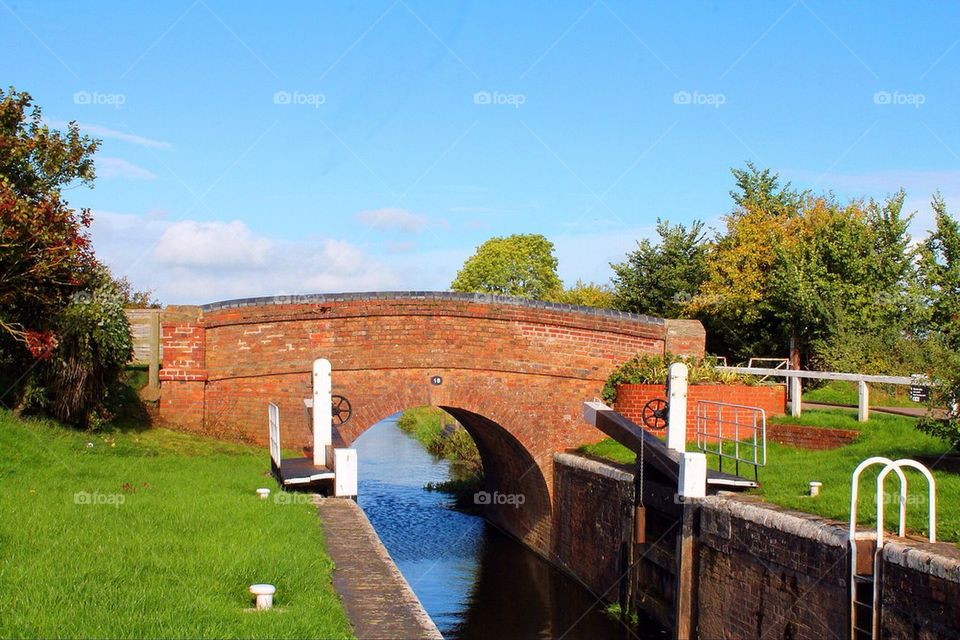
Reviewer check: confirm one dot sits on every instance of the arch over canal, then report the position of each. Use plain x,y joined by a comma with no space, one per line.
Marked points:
513,372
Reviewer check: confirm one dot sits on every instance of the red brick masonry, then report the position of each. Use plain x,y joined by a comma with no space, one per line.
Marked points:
772,399
631,399
515,373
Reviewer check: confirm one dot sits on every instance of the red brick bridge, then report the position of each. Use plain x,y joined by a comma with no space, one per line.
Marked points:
514,373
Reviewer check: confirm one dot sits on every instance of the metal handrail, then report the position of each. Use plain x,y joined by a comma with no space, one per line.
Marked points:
854,497
897,466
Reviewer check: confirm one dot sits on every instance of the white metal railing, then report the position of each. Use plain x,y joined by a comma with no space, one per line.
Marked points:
895,466
737,426
273,417
819,375
779,364
794,392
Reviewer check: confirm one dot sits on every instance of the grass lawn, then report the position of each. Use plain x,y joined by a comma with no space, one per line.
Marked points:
844,392
789,470
152,533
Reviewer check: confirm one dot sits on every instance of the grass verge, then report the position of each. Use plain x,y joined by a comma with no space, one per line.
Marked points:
843,392
152,533
785,479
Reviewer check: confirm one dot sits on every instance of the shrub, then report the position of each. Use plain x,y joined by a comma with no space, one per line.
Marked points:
654,369
93,346
945,393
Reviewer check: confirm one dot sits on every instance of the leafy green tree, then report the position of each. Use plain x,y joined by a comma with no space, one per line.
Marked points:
520,265
940,276
64,337
734,301
661,279
793,269
585,294
45,251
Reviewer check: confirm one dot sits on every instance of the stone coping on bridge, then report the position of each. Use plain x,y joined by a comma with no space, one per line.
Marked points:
453,296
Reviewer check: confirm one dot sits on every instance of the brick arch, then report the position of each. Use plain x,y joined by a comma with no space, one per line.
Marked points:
516,371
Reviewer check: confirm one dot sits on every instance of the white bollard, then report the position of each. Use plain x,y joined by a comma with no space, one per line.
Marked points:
264,593
815,488
264,493
693,475
677,411
345,468
322,410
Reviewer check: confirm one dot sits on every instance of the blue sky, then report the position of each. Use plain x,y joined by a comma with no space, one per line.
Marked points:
255,149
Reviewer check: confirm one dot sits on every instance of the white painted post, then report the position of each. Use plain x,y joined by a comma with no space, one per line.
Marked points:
677,411
693,475
863,401
345,468
322,410
796,401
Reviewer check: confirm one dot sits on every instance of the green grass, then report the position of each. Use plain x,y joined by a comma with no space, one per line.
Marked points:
844,392
169,551
424,423
833,419
785,479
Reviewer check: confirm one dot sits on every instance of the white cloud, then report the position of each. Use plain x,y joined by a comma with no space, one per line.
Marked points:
195,262
108,167
211,244
99,131
393,219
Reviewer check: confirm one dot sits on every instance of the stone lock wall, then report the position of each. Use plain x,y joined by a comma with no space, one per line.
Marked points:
514,372
759,570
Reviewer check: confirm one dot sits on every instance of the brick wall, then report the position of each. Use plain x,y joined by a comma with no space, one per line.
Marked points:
592,501
810,437
921,591
631,399
761,571
523,367
765,572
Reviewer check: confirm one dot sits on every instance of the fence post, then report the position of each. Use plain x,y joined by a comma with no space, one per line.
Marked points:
863,401
677,411
796,401
153,370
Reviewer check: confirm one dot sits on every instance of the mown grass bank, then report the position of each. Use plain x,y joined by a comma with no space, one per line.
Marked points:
843,392
785,479
153,534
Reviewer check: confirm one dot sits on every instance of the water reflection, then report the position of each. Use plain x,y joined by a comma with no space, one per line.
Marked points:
474,581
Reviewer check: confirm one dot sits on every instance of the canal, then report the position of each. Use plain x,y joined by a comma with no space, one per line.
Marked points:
473,580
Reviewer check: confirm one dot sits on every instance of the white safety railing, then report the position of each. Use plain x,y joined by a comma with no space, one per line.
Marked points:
794,391
273,417
895,466
740,427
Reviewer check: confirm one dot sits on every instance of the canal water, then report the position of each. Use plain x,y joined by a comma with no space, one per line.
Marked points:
473,580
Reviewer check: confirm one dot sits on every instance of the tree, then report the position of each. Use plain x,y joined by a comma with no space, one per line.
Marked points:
939,267
585,294
64,337
734,300
518,265
660,279
45,251
793,269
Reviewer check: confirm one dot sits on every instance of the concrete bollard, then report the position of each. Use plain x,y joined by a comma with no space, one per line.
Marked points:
264,593
815,488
